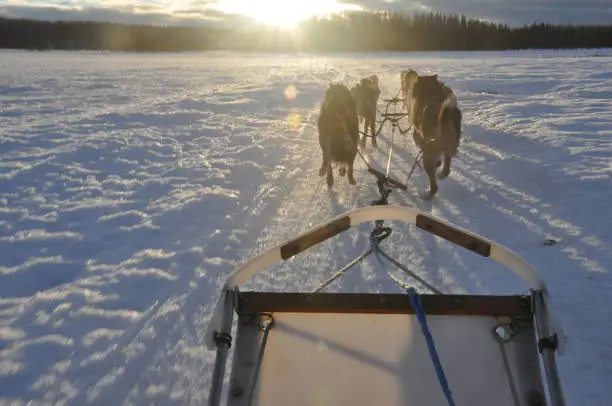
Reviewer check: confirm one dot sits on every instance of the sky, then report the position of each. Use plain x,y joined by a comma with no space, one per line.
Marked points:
287,13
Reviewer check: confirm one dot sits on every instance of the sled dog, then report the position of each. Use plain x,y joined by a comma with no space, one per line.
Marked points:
366,94
338,127
436,118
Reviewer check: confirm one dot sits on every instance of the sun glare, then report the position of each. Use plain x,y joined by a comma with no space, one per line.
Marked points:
283,13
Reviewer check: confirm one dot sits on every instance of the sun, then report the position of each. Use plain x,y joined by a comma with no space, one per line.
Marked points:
283,13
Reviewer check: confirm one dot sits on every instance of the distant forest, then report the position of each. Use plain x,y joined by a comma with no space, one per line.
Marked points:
354,31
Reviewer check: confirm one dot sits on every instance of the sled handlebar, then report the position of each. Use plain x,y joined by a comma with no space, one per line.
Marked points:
439,227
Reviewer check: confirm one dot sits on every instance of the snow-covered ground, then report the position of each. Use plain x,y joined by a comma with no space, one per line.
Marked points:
130,185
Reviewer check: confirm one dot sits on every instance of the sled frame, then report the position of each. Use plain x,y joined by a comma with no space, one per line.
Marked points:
538,315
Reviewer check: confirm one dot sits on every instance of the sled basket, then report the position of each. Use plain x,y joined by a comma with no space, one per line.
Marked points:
372,349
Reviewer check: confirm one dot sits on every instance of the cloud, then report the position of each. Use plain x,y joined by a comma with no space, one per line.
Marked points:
512,12
188,13
406,6
202,12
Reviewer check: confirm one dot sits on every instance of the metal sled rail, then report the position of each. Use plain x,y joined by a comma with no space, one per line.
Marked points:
427,222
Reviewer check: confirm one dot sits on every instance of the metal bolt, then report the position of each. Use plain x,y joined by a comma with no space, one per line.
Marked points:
237,391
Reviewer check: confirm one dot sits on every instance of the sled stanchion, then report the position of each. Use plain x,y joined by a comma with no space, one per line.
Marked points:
504,333
267,324
223,341
547,343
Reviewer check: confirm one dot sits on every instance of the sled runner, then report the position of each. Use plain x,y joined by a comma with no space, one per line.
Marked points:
409,348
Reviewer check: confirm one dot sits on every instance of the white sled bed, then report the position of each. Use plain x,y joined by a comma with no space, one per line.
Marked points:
358,349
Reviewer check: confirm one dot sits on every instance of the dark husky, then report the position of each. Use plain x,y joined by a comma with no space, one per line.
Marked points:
437,125
338,132
366,94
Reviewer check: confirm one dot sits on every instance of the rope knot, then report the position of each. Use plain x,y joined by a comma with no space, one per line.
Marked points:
380,233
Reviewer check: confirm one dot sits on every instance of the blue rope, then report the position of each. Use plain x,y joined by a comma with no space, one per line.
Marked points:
415,302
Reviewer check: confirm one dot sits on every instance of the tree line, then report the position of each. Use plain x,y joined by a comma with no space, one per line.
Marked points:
347,32
90,35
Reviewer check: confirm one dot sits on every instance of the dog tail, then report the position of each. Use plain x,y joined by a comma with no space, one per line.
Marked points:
450,113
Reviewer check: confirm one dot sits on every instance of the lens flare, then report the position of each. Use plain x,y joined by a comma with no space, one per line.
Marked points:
290,92
294,119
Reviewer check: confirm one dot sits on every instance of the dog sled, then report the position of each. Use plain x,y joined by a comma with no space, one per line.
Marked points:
314,348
